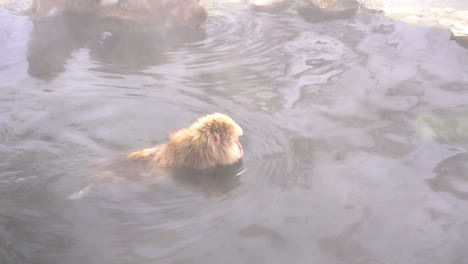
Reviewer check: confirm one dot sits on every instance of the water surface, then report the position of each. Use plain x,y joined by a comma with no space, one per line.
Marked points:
355,137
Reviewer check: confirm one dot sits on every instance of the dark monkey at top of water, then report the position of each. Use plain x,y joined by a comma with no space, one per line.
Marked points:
179,13
211,141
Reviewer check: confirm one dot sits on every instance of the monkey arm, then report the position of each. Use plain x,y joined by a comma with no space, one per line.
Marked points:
142,154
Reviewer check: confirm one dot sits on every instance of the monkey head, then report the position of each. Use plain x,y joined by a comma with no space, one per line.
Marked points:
191,16
222,135
211,141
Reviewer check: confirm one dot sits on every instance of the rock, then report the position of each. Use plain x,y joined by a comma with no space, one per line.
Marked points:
460,33
462,40
270,6
323,10
454,20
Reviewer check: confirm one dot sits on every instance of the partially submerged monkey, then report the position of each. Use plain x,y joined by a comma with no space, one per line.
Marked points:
178,13
211,141
209,146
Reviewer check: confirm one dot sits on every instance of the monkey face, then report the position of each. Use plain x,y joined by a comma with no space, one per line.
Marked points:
237,142
226,142
236,148
197,17
228,149
190,16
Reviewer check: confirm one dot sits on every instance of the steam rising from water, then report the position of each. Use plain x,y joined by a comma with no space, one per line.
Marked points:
333,117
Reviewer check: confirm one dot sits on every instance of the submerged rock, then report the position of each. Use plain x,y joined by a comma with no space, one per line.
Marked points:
270,6
8,255
323,10
311,10
442,127
452,176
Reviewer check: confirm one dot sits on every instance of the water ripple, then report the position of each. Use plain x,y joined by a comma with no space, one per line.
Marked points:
238,31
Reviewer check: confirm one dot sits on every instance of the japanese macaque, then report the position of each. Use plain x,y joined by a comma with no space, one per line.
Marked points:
175,13
42,8
206,155
211,141
190,15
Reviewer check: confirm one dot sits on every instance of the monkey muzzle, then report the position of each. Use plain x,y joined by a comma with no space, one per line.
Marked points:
241,150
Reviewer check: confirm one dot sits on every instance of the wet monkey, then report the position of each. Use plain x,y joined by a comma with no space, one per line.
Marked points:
211,141
188,14
205,155
175,13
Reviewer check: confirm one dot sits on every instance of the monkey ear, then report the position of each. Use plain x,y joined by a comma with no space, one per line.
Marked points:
216,138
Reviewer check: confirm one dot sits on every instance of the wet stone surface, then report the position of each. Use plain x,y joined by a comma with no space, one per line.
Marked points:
323,10
456,20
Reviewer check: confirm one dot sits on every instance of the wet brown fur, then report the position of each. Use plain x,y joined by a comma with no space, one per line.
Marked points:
196,147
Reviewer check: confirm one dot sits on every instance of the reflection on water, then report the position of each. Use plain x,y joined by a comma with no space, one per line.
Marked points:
55,39
9,255
354,139
213,182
